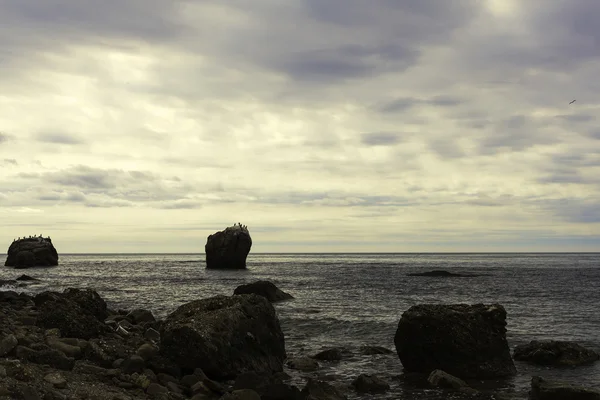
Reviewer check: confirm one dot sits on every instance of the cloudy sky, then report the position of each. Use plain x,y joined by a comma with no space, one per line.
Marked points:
323,125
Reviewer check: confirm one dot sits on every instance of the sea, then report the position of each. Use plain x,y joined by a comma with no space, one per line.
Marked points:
354,300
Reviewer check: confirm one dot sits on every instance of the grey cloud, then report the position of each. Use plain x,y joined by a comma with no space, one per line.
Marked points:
446,148
183,204
4,137
574,210
58,138
577,117
86,178
397,105
380,138
10,161
515,133
445,101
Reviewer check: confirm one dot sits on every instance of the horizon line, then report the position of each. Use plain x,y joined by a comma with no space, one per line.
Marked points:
365,252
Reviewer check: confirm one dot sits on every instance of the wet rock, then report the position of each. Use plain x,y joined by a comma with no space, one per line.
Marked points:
228,249
281,391
332,354
224,336
66,349
441,379
542,389
265,289
56,380
7,344
370,384
468,341
304,364
555,353
319,390
31,252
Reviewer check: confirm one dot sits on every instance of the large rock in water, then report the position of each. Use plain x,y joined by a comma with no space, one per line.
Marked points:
468,341
225,336
228,249
542,389
555,353
31,252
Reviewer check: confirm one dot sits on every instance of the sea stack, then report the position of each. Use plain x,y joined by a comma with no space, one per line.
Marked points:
34,251
229,248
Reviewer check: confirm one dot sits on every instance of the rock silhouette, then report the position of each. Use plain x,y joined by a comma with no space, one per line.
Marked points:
229,248
32,252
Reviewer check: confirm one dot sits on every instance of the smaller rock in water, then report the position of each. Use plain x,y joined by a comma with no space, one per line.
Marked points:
26,278
333,354
139,316
374,350
228,249
556,353
439,378
542,389
265,289
370,384
304,364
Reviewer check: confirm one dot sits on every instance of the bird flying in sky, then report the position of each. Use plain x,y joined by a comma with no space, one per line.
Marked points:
572,102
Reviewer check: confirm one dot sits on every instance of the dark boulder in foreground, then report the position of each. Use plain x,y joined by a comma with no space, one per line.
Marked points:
265,289
31,252
441,274
76,313
225,336
542,389
467,341
555,353
229,248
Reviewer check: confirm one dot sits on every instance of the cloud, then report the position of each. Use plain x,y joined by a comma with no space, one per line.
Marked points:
380,138
59,138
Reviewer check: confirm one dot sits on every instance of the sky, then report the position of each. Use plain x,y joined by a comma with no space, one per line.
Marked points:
322,125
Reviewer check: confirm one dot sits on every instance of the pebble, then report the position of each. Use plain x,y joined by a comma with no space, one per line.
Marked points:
7,344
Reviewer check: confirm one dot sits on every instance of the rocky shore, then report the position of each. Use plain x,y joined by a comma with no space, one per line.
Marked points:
72,345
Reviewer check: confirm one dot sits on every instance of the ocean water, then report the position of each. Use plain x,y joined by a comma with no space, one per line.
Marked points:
351,300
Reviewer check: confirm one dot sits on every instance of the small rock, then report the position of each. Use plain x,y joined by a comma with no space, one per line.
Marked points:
3,373
190,380
315,389
333,354
370,384
56,380
147,351
175,388
67,349
26,278
155,389
442,379
7,344
133,364
303,364
166,378
374,350
542,389
152,334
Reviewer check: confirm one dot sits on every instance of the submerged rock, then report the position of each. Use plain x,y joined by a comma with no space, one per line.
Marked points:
265,289
229,248
555,353
225,336
468,341
31,252
370,384
542,389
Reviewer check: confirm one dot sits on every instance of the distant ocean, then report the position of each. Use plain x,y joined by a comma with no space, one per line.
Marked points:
352,300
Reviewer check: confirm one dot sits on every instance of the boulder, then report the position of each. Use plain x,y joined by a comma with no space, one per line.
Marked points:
441,379
370,384
542,389
229,248
76,313
555,353
319,390
468,341
265,289
224,336
31,252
